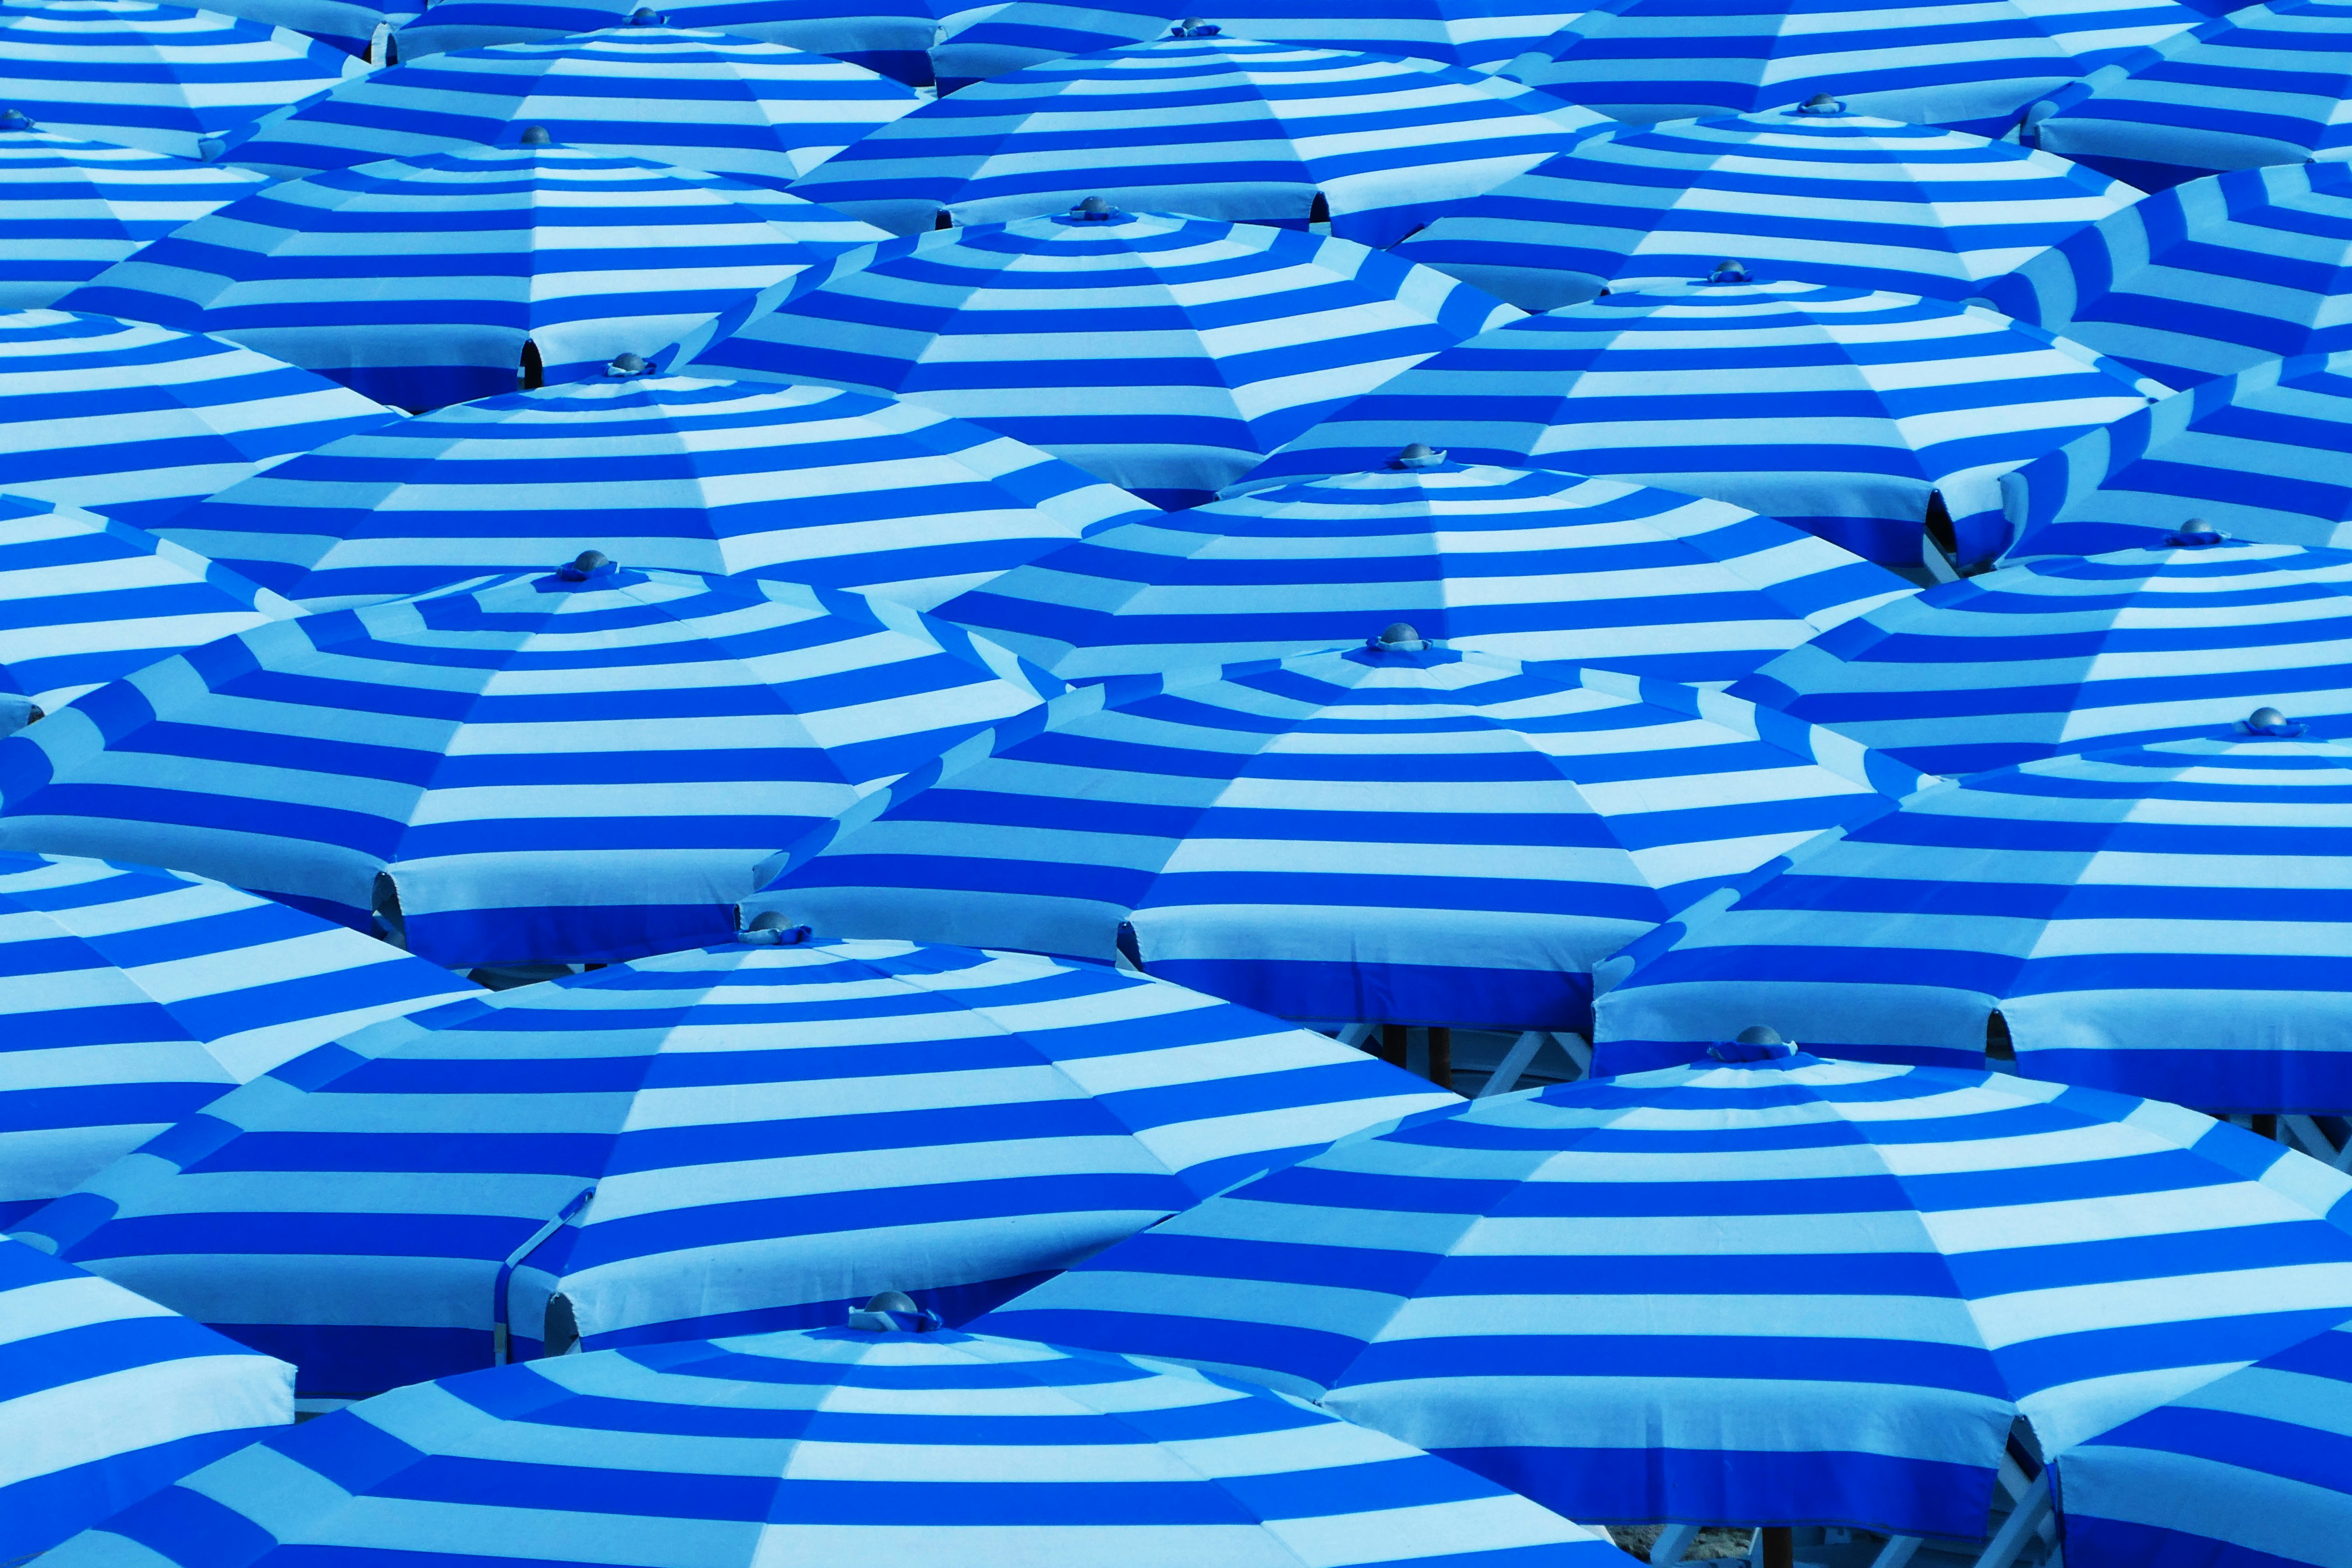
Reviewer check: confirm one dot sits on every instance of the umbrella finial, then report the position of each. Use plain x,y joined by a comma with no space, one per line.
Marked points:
1094,209
646,16
1756,1043
1193,28
1419,455
1822,103
2269,722
586,564
627,363
1759,1035
534,136
1398,637
2195,534
892,1312
16,120
1729,271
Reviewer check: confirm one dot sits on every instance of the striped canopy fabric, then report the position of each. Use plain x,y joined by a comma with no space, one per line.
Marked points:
706,1142
108,1398
1215,127
89,599
2067,654
2170,920
354,27
873,1447
1776,1291
1166,355
162,78
802,484
136,996
1845,412
70,209
1965,64
1393,833
757,112
2262,84
430,280
890,38
134,422
2204,279
1813,194
566,766
1550,568
2258,454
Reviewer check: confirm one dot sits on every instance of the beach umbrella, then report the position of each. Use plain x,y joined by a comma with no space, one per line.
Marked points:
1815,194
1210,126
2164,918
69,208
355,26
1859,415
710,1141
162,78
109,1398
2066,654
566,766
136,996
876,1446
2204,279
1760,1289
91,599
990,40
1959,63
2259,454
1550,568
804,484
2261,85
1164,353
1391,833
757,112
890,38
429,281
133,421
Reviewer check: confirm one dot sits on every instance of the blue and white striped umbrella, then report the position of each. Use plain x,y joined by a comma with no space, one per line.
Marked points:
2258,454
890,38
1547,567
70,209
1847,413
1967,64
1771,1290
162,78
89,600
2171,919
547,767
2204,279
1214,127
2065,654
1388,832
1815,194
137,996
134,422
1164,353
354,27
804,484
752,111
867,1445
430,280
108,1398
713,1141
2262,84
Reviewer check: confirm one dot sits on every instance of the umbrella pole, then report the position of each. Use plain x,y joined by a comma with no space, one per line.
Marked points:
1441,1057
1393,1046
1775,1547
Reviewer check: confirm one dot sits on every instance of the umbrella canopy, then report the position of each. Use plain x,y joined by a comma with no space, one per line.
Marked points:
1815,194
1776,1291
1959,63
2262,84
706,1142
1393,832
2204,279
890,38
134,422
868,1446
91,599
1215,127
109,1398
136,996
162,78
757,112
70,209
351,26
2259,454
2065,654
429,281
565,766
2169,919
1845,412
1550,568
806,484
